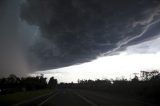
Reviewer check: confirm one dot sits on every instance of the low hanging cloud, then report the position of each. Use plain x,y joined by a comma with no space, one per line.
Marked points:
77,31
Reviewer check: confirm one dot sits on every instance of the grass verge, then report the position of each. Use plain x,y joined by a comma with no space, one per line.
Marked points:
17,97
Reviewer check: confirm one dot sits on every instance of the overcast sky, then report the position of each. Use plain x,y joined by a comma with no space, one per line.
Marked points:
91,38
143,56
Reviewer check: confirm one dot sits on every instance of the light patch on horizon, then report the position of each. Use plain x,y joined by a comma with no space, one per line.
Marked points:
152,46
144,56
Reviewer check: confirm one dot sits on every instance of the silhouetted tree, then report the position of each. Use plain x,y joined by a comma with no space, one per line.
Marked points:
148,86
13,83
52,82
135,79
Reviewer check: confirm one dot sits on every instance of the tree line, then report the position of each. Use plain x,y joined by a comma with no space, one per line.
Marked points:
13,83
147,85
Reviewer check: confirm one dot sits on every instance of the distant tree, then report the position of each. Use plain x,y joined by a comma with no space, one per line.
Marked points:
135,79
52,82
33,83
145,75
154,73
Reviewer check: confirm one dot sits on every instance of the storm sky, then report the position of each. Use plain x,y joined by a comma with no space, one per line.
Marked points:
38,35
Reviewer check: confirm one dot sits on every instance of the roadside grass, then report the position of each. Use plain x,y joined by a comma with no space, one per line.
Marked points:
17,97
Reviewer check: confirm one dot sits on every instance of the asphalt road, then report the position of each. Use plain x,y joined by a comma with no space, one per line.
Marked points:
68,97
65,98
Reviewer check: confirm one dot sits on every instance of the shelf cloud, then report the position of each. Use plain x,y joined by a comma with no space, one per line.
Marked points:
69,32
77,31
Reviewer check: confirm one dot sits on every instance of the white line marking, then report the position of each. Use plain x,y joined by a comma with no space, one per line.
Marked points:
47,100
32,99
86,100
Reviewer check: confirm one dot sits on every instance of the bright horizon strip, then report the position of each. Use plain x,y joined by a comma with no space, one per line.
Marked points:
144,56
109,67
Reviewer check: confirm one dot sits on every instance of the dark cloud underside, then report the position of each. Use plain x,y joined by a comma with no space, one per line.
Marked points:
77,31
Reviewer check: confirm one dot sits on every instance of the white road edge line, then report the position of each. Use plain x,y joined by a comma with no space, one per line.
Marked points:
32,99
86,100
47,100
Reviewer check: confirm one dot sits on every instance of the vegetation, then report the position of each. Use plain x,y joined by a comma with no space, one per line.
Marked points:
146,86
14,84
14,89
17,97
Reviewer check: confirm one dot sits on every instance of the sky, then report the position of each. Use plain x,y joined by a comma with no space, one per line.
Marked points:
141,57
79,38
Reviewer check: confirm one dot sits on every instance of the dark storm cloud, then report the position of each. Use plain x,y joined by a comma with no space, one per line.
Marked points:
76,31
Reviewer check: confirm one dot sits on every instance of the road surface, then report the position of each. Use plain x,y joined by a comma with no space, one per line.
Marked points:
68,97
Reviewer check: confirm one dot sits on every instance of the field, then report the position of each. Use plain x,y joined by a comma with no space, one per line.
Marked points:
17,97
